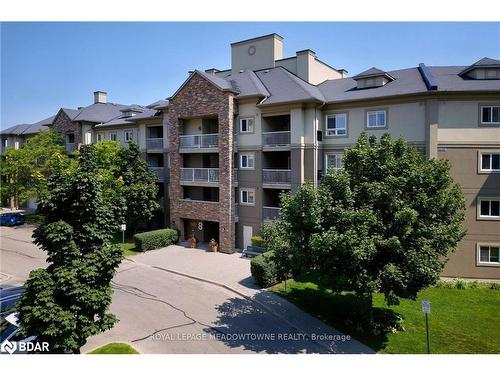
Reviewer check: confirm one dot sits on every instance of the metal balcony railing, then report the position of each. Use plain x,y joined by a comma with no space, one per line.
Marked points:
200,175
70,147
160,172
276,176
270,213
156,143
199,141
281,138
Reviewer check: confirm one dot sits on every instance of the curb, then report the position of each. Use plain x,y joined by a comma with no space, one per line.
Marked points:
248,298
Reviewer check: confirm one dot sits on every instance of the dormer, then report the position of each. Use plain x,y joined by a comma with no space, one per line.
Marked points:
130,111
372,77
485,68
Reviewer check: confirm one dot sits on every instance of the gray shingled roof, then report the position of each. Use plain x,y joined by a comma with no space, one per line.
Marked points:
372,72
247,84
485,62
100,112
24,129
448,79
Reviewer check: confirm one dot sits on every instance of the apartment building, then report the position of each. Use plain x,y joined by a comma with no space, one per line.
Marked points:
241,136
228,142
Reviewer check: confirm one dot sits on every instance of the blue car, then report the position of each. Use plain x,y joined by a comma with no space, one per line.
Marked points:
10,219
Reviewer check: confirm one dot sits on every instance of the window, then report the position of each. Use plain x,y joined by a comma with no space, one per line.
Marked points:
129,135
100,137
376,119
336,125
490,115
112,136
247,161
70,138
490,162
489,254
246,125
489,208
247,196
5,143
333,160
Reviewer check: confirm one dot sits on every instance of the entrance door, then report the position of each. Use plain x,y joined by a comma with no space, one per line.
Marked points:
247,236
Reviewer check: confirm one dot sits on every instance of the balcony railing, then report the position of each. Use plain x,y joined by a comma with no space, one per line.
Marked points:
160,172
154,143
199,141
200,175
270,213
70,147
276,176
273,139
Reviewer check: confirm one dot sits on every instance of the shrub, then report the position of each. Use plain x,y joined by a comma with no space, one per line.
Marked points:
460,284
34,218
443,284
258,241
263,269
495,286
155,239
474,284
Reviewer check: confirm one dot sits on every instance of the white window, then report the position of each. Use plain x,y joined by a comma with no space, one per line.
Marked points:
376,119
490,162
5,143
489,254
247,161
88,138
100,137
247,196
129,135
336,125
112,136
490,115
246,125
333,160
489,208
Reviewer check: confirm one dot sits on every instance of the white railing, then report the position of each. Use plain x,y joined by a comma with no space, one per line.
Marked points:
200,174
199,141
70,147
281,138
276,176
154,143
159,172
270,213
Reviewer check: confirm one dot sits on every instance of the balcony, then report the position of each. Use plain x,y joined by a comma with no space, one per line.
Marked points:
199,143
199,176
276,178
154,143
276,139
160,172
70,147
270,213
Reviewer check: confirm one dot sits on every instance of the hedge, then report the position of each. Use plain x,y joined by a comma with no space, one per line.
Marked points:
263,269
155,239
257,241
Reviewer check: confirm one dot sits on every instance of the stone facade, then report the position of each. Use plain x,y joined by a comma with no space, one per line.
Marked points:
64,125
196,99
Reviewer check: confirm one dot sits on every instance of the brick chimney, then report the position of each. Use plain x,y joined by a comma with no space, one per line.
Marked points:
100,97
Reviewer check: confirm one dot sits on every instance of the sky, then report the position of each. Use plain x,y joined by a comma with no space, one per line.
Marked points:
46,66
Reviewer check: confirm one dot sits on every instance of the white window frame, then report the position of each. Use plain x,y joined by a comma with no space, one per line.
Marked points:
490,169
376,113
250,128
111,134
335,131
249,193
249,156
128,131
491,115
337,155
487,217
489,246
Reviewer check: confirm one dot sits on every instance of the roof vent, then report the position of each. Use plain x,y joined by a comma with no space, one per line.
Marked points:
241,71
266,71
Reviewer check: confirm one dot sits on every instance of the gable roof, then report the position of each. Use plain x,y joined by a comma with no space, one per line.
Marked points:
218,82
100,112
485,62
247,84
372,72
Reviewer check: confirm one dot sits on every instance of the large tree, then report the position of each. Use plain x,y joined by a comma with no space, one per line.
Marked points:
25,170
386,222
69,300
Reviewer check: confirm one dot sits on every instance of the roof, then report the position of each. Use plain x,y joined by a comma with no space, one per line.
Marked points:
100,112
217,81
24,129
247,84
485,62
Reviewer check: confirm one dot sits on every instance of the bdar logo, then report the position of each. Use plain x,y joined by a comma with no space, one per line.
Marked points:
7,346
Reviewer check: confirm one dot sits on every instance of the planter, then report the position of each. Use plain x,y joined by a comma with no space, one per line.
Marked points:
214,246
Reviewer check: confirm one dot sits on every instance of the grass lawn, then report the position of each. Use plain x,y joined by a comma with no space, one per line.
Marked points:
461,320
115,348
128,247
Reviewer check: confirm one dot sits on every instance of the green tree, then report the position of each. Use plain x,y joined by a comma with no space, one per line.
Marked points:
386,222
68,301
25,170
139,186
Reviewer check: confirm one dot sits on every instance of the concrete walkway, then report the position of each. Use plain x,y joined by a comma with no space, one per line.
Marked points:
232,272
